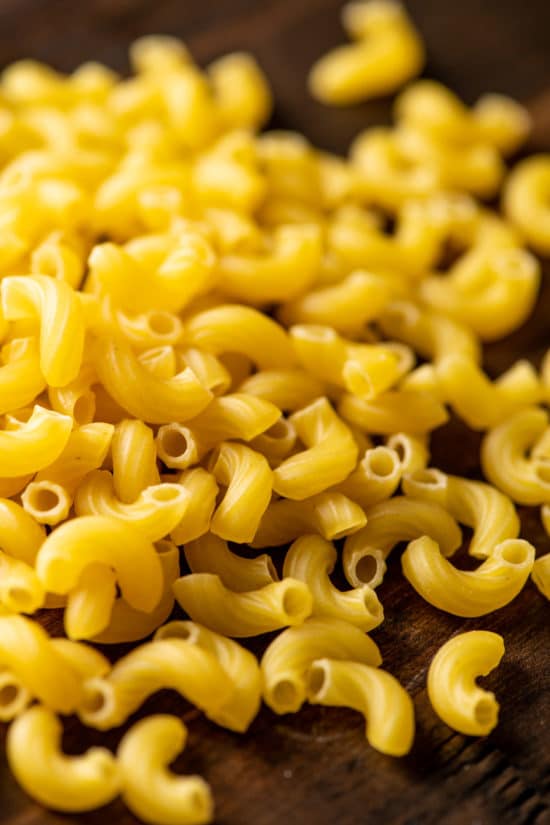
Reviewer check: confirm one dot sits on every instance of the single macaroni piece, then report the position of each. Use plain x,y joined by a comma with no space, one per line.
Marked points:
387,706
20,588
330,454
238,663
26,651
365,370
202,492
209,370
21,379
234,328
155,513
205,599
178,447
62,326
376,477
210,554
525,201
165,663
311,559
241,90
86,450
506,461
34,444
277,442
331,514
248,480
287,659
387,53
238,415
20,536
78,543
388,523
347,305
412,451
489,513
289,390
47,502
452,690
138,391
395,410
134,459
149,789
541,568
77,398
153,328
65,783
495,583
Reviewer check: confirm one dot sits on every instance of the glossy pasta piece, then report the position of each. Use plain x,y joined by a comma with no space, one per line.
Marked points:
276,605
25,651
65,783
35,444
20,588
387,706
240,665
210,554
541,568
495,583
86,450
84,659
14,696
143,395
452,690
490,514
47,502
311,559
289,389
412,451
61,322
234,328
149,789
134,459
21,379
525,201
375,478
248,479
277,442
155,513
505,460
241,90
393,411
287,659
238,416
331,514
387,53
70,548
20,536
389,523
330,454
165,663
202,489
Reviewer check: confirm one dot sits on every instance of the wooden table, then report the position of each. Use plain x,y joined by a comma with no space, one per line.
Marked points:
315,768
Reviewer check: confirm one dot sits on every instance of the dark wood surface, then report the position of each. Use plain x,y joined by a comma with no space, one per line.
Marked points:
316,767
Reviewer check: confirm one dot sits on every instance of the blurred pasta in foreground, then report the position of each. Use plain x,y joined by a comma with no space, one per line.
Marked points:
217,341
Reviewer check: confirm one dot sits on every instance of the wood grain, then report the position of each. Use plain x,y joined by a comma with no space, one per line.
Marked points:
315,768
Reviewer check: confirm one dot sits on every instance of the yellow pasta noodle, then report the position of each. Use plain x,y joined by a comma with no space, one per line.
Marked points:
452,690
202,492
210,554
35,444
21,379
541,568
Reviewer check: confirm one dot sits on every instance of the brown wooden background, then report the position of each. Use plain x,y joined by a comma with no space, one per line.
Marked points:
316,768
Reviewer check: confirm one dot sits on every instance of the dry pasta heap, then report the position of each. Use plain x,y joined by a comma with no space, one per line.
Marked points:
210,337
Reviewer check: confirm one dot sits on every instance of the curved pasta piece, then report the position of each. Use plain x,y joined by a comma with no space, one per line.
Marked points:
248,478
276,605
330,454
77,397
84,659
202,490
376,477
20,536
134,459
86,540
412,451
288,270
240,665
311,559
238,415
155,513
209,370
154,666
541,568
388,52
62,325
387,706
495,583
452,690
234,328
142,394
149,789
242,93
35,444
393,411
65,783
210,554
331,514
86,450
389,523
504,457
287,659
288,389
21,379
525,201
14,696
277,442
26,651
20,588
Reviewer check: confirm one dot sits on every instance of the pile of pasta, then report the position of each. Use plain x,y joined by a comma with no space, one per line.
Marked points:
217,341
